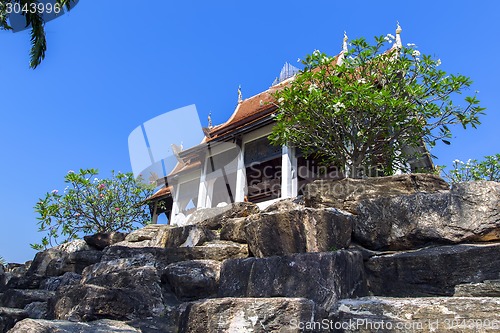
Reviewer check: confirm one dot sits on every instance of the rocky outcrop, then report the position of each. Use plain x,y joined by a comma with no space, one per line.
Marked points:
321,277
468,212
261,315
432,271
297,231
297,266
488,288
430,314
347,193
61,326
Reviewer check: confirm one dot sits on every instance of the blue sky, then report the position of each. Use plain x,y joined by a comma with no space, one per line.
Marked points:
112,65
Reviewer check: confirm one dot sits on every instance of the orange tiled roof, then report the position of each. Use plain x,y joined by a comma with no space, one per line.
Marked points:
165,191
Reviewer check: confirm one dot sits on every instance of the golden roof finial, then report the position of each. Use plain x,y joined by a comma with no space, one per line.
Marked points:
398,29
240,96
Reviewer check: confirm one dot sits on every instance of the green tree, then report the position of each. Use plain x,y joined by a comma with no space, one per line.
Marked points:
35,19
487,169
374,109
90,205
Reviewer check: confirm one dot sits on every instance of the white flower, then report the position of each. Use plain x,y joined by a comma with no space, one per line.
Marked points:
280,100
316,52
457,161
362,80
312,87
438,62
55,191
338,105
390,36
416,53
299,60
411,45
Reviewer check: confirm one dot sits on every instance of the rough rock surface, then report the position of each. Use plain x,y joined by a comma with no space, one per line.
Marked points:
19,298
158,235
61,326
298,231
194,279
234,230
488,288
432,271
8,317
262,315
104,239
54,282
347,193
213,218
321,277
469,212
430,314
70,257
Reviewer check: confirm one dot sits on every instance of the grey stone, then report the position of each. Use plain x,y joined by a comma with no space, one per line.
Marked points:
104,239
432,271
9,317
298,231
54,282
234,230
213,218
157,235
262,315
321,277
195,279
469,212
347,193
19,298
36,310
61,326
488,288
429,314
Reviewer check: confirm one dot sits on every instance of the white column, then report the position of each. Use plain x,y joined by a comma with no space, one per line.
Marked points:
287,173
241,181
203,190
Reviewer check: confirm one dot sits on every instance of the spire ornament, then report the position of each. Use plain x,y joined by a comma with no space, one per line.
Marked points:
341,56
240,96
398,43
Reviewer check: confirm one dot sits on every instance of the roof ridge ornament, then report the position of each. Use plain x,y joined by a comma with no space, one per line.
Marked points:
398,43
240,96
341,56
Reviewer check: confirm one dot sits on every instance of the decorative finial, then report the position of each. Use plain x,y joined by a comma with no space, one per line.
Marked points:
398,36
210,120
344,45
240,96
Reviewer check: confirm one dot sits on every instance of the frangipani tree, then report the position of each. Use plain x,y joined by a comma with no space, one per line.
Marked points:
372,107
90,205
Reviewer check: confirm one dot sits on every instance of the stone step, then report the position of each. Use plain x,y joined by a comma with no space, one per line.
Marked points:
61,326
488,288
263,315
426,314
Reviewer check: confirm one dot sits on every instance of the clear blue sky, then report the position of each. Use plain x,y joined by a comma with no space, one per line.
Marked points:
111,65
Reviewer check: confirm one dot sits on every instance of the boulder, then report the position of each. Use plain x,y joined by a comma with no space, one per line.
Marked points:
347,193
214,250
92,302
234,230
19,298
157,235
469,212
429,314
195,279
54,282
213,218
69,257
488,288
61,326
298,231
9,317
36,310
102,240
262,315
321,277
432,271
